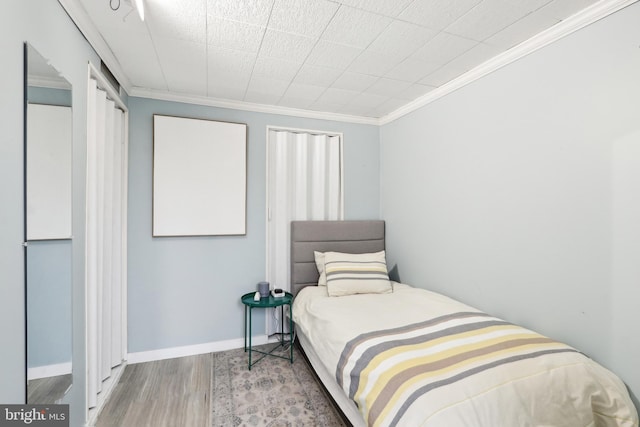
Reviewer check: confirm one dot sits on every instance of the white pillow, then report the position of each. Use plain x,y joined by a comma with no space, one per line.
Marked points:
319,256
349,274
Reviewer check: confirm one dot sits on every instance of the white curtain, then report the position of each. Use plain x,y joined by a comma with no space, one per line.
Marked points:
304,183
104,222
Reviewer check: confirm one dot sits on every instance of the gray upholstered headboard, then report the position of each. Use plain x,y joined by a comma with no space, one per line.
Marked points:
354,237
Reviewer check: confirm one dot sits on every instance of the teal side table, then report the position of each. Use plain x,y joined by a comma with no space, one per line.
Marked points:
270,301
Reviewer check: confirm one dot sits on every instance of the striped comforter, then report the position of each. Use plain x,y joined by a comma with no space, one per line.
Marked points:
385,372
415,358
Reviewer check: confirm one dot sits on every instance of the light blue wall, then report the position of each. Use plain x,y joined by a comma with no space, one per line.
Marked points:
186,290
43,95
45,25
48,302
500,194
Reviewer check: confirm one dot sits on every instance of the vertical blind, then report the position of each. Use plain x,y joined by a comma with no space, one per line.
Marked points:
304,183
104,238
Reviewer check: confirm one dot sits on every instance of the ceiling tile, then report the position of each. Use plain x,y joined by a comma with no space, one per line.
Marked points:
354,81
388,106
326,106
261,98
437,15
562,9
401,38
414,91
250,11
444,47
382,7
230,65
267,86
460,65
136,63
184,65
354,110
181,51
226,90
367,100
292,102
305,17
185,20
191,82
333,55
412,69
491,16
218,84
355,27
302,91
234,35
523,29
374,63
292,47
316,76
301,96
387,87
274,68
337,96
188,81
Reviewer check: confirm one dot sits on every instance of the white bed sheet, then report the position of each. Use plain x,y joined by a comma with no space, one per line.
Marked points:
314,313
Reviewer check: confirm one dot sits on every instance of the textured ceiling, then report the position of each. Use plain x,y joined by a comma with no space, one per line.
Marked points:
356,57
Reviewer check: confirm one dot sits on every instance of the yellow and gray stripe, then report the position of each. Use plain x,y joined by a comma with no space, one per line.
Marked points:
348,352
356,270
388,376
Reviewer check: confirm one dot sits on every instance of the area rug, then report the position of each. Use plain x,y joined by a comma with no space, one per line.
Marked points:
274,393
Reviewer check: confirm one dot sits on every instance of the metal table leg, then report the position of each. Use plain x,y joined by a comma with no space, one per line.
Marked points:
282,324
250,333
290,334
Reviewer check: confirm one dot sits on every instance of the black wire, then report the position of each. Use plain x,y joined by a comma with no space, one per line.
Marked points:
111,2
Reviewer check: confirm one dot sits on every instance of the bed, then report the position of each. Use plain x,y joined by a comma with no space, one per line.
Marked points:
395,355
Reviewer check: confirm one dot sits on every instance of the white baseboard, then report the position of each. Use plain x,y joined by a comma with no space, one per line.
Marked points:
192,350
48,371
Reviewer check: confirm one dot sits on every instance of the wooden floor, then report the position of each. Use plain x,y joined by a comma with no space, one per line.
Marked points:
166,393
48,390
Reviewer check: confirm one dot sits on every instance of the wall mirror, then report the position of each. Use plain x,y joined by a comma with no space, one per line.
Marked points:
48,187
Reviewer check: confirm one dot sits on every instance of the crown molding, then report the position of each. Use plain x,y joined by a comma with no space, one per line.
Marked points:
48,82
250,106
79,16
580,20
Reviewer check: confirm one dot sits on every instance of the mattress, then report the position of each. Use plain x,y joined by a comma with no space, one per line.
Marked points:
418,358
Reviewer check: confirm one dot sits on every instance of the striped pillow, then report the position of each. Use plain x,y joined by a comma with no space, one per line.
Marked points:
349,274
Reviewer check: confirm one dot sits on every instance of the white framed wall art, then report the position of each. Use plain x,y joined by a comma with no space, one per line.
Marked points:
199,177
